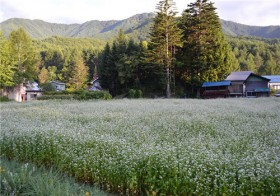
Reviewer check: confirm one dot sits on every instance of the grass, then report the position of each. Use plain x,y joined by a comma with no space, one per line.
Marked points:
28,179
148,147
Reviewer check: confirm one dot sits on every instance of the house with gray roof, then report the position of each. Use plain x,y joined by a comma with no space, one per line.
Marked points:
248,84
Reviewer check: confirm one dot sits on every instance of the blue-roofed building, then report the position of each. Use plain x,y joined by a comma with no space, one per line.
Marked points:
216,89
274,82
239,84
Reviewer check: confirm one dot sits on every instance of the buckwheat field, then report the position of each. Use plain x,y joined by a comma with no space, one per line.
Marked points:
152,147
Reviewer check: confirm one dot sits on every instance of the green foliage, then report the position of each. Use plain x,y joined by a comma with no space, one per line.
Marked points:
78,95
206,55
47,87
165,39
23,55
87,95
131,93
136,27
6,64
135,93
258,55
28,179
4,99
121,65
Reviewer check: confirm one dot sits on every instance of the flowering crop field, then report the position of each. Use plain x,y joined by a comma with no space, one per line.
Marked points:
152,147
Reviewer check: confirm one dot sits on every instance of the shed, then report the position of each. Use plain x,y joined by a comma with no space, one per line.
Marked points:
274,82
59,86
248,84
216,89
94,85
33,91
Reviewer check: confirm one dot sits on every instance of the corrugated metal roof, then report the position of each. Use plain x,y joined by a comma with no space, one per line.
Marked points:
212,84
273,78
239,76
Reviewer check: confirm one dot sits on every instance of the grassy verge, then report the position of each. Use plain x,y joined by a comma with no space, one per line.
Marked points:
27,179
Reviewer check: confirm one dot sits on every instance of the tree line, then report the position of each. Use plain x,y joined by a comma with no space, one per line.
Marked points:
180,54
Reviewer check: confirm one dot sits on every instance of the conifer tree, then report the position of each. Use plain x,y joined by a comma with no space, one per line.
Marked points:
105,67
165,37
206,55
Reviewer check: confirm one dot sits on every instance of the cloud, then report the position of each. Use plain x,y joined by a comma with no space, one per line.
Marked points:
252,12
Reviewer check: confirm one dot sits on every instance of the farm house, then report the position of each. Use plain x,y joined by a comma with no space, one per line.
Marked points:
274,82
248,84
32,91
216,89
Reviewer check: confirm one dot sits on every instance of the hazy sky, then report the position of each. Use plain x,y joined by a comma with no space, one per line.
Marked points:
251,12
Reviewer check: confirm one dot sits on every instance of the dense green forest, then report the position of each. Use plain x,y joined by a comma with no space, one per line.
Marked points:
135,59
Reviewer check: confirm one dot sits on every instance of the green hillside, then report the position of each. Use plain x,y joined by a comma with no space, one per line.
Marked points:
136,27
236,29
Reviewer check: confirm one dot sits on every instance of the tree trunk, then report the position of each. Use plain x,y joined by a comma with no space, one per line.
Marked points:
168,83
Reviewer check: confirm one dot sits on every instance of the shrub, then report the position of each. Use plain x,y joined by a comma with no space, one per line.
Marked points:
56,96
79,95
131,93
138,94
4,99
86,95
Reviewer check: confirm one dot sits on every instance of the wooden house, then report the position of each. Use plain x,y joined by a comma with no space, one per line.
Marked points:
274,82
216,89
248,84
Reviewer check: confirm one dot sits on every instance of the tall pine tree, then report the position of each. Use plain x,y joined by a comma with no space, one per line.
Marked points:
206,55
165,36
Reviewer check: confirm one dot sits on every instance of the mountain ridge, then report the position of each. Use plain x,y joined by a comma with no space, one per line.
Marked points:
136,27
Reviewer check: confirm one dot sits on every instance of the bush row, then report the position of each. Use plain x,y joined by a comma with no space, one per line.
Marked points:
79,95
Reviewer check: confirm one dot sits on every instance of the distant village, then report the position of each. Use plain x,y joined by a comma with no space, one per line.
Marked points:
237,84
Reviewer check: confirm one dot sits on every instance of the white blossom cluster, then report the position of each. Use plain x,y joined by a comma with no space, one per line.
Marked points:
174,147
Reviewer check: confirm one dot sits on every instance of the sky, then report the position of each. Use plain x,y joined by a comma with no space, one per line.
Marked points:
249,12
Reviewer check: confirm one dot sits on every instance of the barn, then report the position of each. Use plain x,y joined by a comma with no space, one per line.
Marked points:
248,84
216,89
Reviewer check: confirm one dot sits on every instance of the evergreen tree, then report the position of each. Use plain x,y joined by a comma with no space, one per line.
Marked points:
206,55
7,70
105,67
90,59
165,37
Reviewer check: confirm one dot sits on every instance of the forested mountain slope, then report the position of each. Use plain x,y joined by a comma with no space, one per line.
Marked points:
136,27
